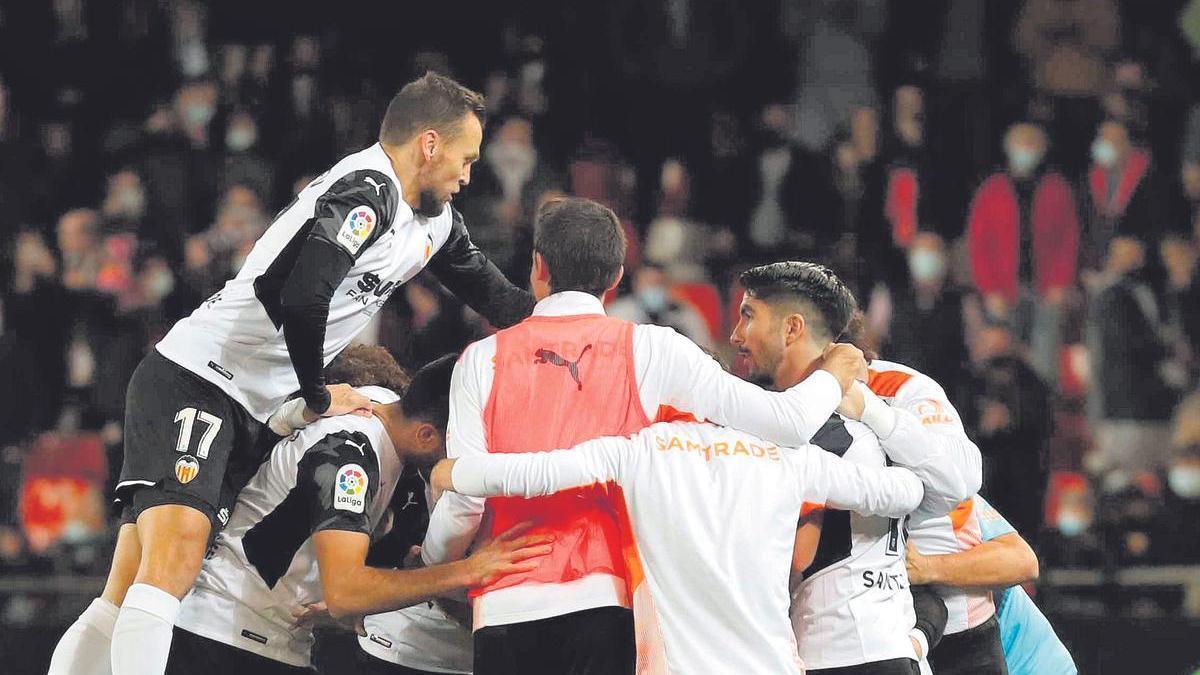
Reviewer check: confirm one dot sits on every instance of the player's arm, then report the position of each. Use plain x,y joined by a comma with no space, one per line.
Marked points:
808,537
350,588
1003,559
455,518
825,478
688,379
336,481
535,474
932,615
922,431
348,218
467,272
1002,562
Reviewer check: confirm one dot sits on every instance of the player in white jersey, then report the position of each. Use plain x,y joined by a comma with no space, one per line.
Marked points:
713,513
852,608
300,532
197,404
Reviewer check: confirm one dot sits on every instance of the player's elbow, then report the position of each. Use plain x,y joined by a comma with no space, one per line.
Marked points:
340,603
1026,561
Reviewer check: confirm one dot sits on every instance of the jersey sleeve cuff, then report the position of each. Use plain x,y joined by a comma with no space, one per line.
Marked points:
919,635
877,415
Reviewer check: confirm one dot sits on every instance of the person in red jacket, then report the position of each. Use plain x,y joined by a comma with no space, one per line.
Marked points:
1023,235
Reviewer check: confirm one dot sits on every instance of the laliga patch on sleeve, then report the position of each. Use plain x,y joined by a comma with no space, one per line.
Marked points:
356,228
350,489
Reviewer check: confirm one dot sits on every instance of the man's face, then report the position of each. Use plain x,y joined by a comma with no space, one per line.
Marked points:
759,338
449,168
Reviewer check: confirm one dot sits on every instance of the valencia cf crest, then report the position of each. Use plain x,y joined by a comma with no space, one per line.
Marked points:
186,468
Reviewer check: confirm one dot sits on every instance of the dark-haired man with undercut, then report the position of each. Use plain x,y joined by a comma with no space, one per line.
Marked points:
852,609
569,374
199,402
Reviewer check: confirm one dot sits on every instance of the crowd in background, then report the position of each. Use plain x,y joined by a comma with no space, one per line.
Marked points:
1013,190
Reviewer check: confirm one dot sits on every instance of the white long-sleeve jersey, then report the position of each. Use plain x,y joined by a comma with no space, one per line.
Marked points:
853,605
672,372
713,513
919,429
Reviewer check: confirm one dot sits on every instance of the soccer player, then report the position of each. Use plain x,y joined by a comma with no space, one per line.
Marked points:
713,513
199,401
994,556
300,531
852,608
566,375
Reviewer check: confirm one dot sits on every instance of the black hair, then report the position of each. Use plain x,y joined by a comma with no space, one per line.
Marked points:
809,283
430,102
428,395
582,243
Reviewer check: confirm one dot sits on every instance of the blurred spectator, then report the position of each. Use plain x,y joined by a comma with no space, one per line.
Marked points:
1121,199
217,253
1131,401
1066,45
1182,301
653,302
505,185
674,241
77,246
792,198
926,327
1012,425
1023,235
858,176
124,205
35,335
1182,499
835,65
244,164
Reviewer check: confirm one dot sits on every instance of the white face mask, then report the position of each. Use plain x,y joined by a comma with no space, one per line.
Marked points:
654,298
238,139
1072,524
926,265
1184,480
1022,161
1104,153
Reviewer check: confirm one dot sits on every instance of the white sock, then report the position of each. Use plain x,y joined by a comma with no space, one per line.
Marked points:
141,639
84,648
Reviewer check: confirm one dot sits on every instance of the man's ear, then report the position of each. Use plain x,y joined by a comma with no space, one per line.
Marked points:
617,279
794,328
428,436
428,141
541,270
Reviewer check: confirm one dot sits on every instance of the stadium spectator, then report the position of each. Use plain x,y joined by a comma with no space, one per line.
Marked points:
1131,402
927,323
1120,198
243,162
1012,424
1181,300
652,302
1023,235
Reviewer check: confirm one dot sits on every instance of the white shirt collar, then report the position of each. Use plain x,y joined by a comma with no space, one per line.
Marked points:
569,303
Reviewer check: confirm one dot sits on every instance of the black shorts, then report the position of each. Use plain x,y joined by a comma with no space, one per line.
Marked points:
975,651
596,641
186,442
195,655
888,667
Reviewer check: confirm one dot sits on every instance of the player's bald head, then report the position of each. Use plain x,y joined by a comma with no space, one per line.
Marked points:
430,102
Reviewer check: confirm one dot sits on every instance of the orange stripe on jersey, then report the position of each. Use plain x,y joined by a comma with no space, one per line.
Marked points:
961,513
888,382
807,508
668,414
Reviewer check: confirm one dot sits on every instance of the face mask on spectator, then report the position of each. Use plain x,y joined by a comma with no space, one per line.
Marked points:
926,265
1023,160
238,139
131,203
1071,524
1104,153
1184,480
198,114
653,298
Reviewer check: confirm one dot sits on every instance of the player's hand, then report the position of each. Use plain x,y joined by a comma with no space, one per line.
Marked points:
845,362
343,400
413,560
317,614
440,478
854,401
510,553
921,568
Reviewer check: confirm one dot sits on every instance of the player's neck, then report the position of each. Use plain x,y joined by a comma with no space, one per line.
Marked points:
401,157
392,418
800,359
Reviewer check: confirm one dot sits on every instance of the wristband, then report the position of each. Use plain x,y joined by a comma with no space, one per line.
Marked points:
288,418
878,415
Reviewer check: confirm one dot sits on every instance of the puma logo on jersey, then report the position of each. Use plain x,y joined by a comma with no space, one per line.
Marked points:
547,356
357,446
377,186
